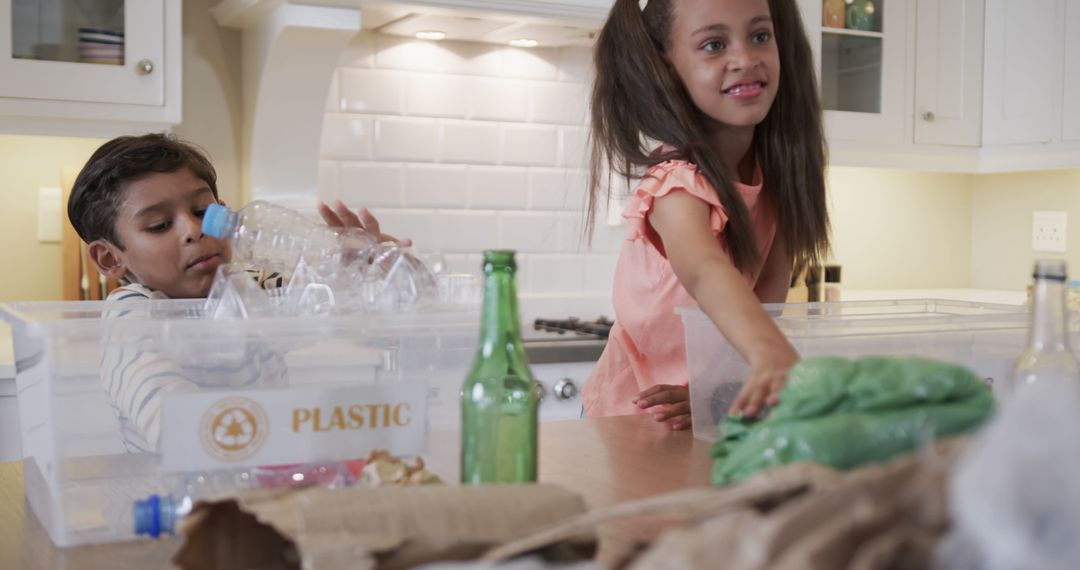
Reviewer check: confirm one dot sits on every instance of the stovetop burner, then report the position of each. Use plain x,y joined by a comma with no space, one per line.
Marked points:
598,328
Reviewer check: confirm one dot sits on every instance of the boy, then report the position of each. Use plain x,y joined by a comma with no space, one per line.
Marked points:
138,203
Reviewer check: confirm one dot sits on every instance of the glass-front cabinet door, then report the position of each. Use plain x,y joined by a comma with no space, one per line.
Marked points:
860,52
98,51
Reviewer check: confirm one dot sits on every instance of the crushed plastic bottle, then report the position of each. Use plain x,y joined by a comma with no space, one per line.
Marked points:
275,238
330,270
160,514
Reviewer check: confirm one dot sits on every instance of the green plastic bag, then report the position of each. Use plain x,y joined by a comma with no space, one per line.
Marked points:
844,413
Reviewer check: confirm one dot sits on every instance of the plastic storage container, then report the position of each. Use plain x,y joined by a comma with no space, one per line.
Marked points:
79,480
984,337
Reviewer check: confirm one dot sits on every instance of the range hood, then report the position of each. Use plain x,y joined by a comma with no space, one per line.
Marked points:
291,49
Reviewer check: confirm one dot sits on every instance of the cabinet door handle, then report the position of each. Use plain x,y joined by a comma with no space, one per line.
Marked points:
928,116
144,67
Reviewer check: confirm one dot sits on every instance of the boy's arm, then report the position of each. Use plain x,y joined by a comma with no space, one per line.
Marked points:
706,271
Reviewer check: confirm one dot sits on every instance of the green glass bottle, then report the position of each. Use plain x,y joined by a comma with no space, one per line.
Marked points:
499,397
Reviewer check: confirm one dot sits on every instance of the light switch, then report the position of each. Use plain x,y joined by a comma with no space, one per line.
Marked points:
48,224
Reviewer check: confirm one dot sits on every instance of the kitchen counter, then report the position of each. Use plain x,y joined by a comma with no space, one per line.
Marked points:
606,460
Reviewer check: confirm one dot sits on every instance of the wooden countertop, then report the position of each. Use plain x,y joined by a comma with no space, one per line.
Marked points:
607,460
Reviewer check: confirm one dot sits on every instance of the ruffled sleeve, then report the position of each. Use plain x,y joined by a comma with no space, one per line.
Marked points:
661,180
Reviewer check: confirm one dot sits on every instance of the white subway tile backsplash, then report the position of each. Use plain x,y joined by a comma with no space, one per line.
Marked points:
466,232
372,92
328,181
498,99
472,263
576,65
436,186
557,189
600,271
559,103
497,188
463,147
414,224
406,139
556,273
346,137
371,184
528,145
571,238
536,63
529,232
433,95
471,142
573,144
606,238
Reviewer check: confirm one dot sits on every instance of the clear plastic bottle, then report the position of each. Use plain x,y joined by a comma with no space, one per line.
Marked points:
160,514
1048,356
274,237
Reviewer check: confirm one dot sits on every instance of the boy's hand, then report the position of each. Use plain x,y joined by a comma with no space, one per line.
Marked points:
763,387
340,216
671,404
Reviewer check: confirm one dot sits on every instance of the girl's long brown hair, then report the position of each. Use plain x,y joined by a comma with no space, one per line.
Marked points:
639,101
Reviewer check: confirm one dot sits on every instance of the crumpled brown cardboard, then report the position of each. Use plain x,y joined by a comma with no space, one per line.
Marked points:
360,528
796,516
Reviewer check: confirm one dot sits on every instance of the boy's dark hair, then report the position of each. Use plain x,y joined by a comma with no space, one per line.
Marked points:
638,98
99,189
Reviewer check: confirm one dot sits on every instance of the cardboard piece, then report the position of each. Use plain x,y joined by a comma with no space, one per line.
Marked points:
795,516
361,528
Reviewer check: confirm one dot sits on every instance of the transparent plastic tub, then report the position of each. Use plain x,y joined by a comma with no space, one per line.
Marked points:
984,337
80,481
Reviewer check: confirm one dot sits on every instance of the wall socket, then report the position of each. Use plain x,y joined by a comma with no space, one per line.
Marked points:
1048,232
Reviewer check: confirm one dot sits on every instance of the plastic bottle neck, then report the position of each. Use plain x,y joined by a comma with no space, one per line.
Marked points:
1049,317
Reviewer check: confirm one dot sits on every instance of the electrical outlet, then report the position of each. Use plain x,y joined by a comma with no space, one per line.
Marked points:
1048,232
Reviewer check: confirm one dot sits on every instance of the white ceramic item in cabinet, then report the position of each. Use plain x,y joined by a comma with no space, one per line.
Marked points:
1071,108
949,72
1023,67
55,72
862,72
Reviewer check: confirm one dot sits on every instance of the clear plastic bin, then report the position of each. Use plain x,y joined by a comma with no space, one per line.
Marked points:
80,481
984,337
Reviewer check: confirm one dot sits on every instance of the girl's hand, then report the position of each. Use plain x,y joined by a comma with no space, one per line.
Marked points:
340,216
671,403
763,387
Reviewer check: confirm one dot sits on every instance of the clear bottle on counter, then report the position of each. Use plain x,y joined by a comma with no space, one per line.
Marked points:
274,237
1048,356
161,514
499,398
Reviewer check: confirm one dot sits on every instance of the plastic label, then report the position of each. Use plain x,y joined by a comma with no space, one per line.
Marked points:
214,430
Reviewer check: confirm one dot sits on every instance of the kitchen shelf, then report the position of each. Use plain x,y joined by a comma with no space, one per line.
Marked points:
852,33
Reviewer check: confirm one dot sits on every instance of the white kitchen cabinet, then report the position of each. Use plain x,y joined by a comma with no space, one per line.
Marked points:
90,61
862,68
1070,127
1023,70
948,72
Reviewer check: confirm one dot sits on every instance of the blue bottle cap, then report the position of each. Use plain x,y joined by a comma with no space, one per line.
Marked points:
148,516
214,219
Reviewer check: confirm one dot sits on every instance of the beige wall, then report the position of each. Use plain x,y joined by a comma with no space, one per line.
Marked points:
211,119
1001,224
29,163
895,229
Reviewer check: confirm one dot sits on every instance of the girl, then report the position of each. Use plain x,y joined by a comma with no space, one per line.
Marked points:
717,102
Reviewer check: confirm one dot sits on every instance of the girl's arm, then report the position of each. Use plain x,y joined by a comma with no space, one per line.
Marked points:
706,271
775,280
